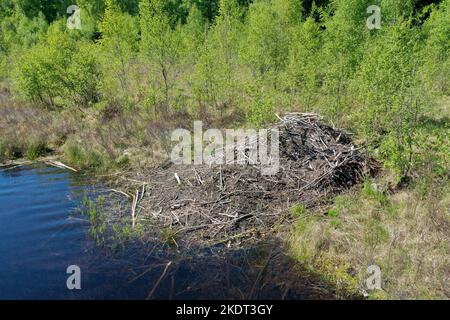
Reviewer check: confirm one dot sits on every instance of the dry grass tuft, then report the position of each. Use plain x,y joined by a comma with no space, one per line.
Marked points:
406,235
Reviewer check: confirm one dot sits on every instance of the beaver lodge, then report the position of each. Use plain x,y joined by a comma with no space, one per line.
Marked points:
229,203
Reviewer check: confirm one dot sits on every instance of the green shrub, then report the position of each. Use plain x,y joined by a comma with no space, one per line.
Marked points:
117,53
58,72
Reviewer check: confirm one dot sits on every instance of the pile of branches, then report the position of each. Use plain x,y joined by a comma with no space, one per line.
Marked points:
222,203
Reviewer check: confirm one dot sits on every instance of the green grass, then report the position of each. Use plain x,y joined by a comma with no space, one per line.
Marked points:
298,210
36,149
83,157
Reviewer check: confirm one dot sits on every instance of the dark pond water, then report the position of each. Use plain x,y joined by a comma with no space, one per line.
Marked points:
42,233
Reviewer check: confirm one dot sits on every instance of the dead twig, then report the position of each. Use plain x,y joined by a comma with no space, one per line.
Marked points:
150,295
60,165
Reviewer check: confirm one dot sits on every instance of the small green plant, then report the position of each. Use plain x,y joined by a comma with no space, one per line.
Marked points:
370,190
122,233
298,210
95,210
36,149
169,236
123,161
335,221
333,213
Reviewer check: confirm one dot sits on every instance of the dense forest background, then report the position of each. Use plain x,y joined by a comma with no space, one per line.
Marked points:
107,97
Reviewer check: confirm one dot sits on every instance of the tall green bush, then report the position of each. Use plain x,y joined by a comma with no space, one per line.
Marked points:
117,54
62,71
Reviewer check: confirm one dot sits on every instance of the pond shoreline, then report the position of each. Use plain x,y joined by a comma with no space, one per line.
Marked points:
127,202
